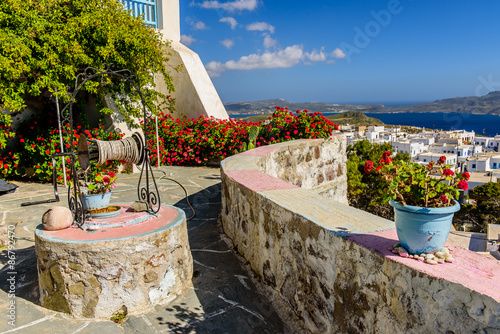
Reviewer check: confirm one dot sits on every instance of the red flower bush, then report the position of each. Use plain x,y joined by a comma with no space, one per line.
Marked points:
199,141
29,154
181,141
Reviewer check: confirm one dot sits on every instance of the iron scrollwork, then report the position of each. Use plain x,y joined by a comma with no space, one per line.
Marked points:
145,192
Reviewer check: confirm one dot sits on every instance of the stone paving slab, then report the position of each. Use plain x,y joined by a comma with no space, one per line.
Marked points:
224,298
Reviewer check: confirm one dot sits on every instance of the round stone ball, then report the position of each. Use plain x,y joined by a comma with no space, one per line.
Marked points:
57,218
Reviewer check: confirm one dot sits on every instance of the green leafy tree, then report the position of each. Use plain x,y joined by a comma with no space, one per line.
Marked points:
485,211
366,191
44,44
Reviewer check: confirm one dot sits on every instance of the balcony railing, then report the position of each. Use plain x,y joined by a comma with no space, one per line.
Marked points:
145,8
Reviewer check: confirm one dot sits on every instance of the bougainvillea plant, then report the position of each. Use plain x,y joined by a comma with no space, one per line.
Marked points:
432,185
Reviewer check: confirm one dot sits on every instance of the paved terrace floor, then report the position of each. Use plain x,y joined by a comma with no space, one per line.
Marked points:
224,299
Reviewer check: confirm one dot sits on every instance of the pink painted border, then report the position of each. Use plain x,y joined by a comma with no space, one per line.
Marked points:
166,216
260,151
475,271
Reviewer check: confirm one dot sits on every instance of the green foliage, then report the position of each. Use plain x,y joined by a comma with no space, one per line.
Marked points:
365,191
5,130
484,210
44,44
253,133
37,139
486,191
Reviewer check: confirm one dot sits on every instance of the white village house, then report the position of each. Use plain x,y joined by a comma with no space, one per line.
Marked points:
195,93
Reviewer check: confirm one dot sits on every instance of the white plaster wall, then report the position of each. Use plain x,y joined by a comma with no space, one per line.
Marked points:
195,93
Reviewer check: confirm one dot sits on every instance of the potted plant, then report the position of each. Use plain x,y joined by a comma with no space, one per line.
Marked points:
96,193
424,198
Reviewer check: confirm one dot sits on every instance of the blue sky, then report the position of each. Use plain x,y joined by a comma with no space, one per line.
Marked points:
353,51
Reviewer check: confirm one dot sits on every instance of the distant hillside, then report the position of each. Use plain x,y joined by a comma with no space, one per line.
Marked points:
488,104
354,118
267,106
348,117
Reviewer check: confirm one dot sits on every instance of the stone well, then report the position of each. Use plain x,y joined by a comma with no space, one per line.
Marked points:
134,259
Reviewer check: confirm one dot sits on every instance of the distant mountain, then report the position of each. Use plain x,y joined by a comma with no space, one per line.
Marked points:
267,106
354,118
488,104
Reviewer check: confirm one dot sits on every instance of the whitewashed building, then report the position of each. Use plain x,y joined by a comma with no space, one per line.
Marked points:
372,136
410,147
495,143
457,136
495,162
483,141
426,157
426,140
478,163
376,128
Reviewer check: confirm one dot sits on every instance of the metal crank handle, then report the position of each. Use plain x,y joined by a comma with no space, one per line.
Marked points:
40,202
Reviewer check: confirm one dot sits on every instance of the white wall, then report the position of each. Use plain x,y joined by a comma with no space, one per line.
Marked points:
195,93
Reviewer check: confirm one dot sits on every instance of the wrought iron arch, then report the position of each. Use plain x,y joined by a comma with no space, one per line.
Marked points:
145,193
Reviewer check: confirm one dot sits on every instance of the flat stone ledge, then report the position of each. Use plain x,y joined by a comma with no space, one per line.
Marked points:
136,266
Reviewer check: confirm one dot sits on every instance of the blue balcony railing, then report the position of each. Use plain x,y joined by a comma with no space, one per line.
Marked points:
145,8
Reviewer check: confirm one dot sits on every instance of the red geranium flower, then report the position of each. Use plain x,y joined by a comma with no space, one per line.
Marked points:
444,199
466,176
368,167
448,172
463,185
442,160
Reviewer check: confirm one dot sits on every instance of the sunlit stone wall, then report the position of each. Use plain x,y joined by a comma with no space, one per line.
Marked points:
328,265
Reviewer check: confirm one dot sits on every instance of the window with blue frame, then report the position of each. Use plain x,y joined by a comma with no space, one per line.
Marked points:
147,9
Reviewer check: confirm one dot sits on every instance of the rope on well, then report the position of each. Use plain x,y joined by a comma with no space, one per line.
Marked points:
125,149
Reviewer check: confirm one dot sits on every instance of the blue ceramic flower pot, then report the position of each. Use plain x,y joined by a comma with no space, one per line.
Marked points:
423,230
96,202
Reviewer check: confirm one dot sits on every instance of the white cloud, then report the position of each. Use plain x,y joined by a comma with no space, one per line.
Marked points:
260,26
288,57
269,42
316,56
231,6
196,25
228,43
338,53
229,20
199,25
187,40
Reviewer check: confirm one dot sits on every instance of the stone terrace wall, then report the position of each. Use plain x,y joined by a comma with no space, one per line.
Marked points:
311,164
329,263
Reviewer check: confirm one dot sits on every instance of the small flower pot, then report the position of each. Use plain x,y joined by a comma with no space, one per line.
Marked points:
96,202
423,230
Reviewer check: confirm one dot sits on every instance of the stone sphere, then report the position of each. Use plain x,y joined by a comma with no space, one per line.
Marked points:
57,218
